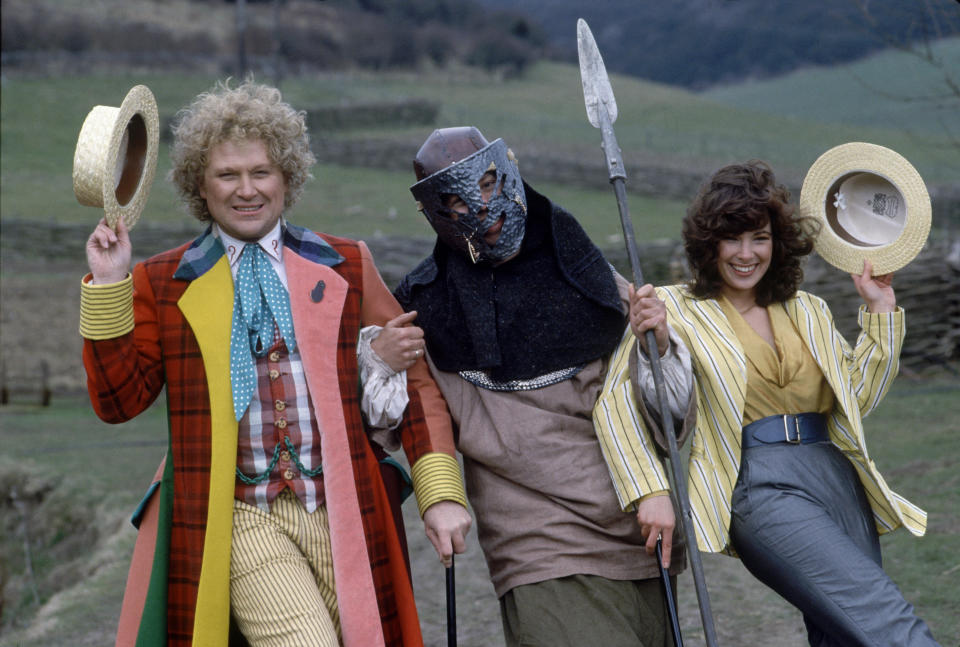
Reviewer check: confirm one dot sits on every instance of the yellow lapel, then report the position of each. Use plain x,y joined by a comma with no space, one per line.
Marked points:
816,331
720,349
207,304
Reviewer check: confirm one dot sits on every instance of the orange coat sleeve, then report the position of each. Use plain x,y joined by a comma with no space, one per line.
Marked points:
431,453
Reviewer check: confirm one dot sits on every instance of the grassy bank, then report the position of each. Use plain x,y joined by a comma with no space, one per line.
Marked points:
40,119
96,473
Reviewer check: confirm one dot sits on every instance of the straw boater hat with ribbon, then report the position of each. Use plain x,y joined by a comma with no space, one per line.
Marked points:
116,157
872,204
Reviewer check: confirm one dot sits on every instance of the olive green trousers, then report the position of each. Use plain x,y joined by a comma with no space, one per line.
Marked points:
587,610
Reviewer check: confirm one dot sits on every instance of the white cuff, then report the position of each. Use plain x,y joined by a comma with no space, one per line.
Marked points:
677,377
384,396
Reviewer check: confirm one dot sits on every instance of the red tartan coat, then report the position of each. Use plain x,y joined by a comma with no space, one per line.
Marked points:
181,341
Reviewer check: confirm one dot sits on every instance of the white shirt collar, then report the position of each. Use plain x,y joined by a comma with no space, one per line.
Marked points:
272,243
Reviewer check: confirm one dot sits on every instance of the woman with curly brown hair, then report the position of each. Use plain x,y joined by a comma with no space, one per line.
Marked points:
779,472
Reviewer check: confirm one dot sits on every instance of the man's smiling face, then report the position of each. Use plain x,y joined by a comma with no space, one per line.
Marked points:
244,189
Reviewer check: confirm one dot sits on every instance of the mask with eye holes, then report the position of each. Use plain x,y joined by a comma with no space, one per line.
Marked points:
451,163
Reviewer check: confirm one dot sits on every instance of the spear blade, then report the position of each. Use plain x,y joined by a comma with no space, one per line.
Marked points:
601,111
597,92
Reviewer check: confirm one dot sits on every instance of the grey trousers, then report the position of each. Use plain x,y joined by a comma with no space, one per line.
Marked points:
802,525
584,610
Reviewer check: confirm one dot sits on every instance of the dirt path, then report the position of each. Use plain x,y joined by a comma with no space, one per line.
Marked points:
745,612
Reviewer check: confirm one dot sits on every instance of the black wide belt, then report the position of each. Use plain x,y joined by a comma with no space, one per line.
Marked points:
799,429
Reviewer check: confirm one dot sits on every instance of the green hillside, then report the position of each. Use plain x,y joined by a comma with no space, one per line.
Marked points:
699,44
887,90
659,127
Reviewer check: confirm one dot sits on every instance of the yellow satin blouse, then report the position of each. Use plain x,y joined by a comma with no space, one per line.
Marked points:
785,379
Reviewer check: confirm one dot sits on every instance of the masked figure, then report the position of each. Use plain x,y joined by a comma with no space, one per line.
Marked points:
521,313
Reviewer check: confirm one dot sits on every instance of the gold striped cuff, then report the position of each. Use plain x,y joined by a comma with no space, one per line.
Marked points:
436,477
895,318
106,311
650,495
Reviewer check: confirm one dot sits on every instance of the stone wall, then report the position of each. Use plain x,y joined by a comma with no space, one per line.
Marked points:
645,175
40,295
928,289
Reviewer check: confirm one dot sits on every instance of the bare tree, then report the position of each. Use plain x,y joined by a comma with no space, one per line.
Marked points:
939,19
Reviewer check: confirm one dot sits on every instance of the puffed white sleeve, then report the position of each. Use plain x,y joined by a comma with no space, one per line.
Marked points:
384,392
677,377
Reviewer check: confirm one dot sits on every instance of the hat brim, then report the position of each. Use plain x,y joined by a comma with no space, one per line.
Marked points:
842,250
116,157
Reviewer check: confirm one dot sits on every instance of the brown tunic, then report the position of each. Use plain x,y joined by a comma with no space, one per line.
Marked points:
537,481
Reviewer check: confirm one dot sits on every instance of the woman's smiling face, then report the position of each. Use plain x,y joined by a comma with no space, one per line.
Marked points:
744,259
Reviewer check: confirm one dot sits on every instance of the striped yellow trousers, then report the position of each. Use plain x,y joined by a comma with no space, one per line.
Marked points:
282,590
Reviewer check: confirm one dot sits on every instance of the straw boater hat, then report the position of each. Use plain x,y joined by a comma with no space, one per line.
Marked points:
116,156
872,204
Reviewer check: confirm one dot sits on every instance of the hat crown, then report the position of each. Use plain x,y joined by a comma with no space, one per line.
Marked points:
115,159
868,209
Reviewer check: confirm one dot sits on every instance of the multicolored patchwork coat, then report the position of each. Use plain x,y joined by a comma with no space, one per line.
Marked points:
172,329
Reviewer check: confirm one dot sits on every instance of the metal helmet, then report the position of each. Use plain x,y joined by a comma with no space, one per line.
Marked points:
452,162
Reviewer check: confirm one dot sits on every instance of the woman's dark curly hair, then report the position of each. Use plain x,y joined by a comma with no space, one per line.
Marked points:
739,198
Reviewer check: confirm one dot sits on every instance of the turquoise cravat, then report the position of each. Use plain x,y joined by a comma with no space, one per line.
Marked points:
260,304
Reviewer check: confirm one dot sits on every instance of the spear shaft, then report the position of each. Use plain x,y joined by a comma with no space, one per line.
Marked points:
602,112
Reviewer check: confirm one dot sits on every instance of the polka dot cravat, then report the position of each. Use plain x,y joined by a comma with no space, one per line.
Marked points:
260,305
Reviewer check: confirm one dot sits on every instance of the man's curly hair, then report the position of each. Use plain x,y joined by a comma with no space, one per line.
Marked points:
740,198
250,111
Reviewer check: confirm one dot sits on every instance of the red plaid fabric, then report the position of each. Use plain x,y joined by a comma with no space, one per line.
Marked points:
125,375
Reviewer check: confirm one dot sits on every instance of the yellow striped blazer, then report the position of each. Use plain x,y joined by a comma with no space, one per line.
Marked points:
859,378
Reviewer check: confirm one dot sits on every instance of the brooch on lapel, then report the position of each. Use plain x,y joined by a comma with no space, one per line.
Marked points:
316,294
